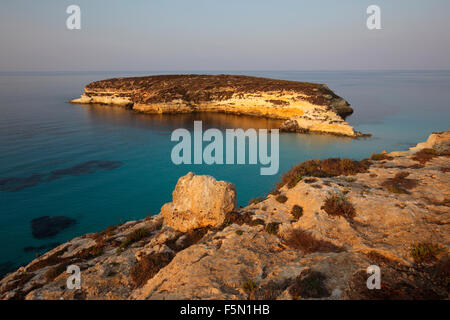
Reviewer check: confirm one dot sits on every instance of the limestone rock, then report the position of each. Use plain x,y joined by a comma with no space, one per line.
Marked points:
320,109
199,201
439,141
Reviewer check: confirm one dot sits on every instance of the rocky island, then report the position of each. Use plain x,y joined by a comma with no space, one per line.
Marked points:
313,237
305,107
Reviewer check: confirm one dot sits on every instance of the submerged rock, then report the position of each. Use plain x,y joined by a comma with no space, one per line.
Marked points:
45,227
42,247
199,201
16,184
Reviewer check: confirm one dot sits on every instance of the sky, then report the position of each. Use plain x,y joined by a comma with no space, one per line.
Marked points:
182,35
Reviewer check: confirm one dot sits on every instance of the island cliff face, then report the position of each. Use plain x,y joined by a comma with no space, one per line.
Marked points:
307,107
313,237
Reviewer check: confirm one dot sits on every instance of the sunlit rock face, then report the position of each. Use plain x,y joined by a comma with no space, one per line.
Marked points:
313,106
198,202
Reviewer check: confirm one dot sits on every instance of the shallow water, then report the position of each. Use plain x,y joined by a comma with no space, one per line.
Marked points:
41,133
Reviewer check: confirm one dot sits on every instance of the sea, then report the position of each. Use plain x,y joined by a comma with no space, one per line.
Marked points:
102,165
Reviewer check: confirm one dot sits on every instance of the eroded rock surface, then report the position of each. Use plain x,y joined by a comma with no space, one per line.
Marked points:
314,107
198,202
312,238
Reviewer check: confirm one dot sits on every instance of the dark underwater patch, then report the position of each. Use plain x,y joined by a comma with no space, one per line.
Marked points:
46,227
6,267
15,184
43,247
86,168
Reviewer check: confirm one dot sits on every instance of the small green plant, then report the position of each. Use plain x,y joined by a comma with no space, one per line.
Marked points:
249,285
272,227
426,252
281,198
337,205
297,211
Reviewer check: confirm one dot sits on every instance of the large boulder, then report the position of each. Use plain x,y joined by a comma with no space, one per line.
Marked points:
199,201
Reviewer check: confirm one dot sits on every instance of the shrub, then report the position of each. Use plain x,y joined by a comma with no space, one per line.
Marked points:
136,236
322,168
399,184
237,218
426,252
90,253
425,155
249,285
380,156
148,267
281,198
257,222
270,290
275,192
272,227
297,211
304,241
256,200
309,284
338,205
292,183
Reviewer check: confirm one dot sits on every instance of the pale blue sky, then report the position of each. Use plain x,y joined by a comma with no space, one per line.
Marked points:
129,35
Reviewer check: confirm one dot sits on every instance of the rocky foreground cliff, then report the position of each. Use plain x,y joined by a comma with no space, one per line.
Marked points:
312,237
306,107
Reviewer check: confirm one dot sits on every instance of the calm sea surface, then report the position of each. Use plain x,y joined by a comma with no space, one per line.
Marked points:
40,132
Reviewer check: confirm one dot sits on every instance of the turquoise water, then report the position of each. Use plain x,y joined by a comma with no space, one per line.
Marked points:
40,132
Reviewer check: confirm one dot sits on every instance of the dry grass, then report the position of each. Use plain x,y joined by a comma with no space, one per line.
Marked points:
304,241
338,205
322,168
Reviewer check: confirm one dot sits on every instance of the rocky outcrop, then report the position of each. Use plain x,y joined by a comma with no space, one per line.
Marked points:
438,141
198,202
314,107
312,238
